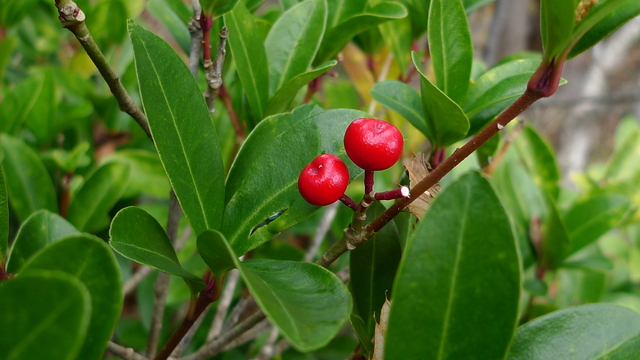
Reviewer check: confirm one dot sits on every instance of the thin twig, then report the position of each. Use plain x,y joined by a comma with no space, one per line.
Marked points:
213,348
186,340
223,304
237,310
493,164
161,288
124,352
321,231
72,18
268,348
248,335
196,38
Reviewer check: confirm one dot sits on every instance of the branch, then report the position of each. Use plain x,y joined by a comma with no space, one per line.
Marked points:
123,352
196,38
223,305
73,19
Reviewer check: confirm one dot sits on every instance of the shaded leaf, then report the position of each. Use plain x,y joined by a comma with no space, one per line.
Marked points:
589,332
18,102
138,236
305,301
218,7
450,48
403,99
250,57
557,18
538,158
145,171
50,327
260,184
28,183
175,23
7,45
4,219
92,262
472,5
181,126
89,207
39,230
469,280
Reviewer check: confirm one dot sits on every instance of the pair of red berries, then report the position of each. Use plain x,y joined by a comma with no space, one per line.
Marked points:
370,143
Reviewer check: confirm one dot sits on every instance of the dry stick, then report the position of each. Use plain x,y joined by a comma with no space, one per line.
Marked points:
73,18
524,101
124,352
223,305
196,38
161,288
321,231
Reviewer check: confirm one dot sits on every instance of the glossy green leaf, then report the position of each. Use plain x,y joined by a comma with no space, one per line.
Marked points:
69,161
176,25
341,10
308,303
40,119
592,217
28,183
403,99
182,129
397,36
4,218
250,57
280,101
253,4
43,327
7,45
418,14
339,35
495,90
90,205
18,102
472,5
589,332
293,41
373,268
91,261
605,19
145,171
260,185
456,282
557,18
138,236
39,230
218,7
538,158
487,150
450,47
446,122
555,237
108,21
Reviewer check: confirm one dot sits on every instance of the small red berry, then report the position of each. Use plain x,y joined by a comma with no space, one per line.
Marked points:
373,144
324,180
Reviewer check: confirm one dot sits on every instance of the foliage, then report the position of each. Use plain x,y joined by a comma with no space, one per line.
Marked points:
499,266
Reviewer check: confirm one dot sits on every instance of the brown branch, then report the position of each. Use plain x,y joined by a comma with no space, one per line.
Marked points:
73,19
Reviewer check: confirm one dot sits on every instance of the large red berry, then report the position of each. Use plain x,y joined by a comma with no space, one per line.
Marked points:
324,180
373,144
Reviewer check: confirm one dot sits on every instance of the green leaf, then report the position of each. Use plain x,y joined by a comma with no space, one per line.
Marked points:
69,161
182,129
7,45
487,150
13,11
538,158
28,183
4,218
557,18
107,21
294,40
589,332
339,35
172,19
450,47
138,236
250,57
91,261
280,101
307,302
39,230
601,21
218,7
373,268
555,237
47,313
456,282
496,89
471,5
261,185
397,36
445,120
90,205
403,99
418,14
592,217
145,171
18,102
622,165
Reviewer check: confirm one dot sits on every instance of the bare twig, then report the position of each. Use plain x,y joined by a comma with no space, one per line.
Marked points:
162,282
213,70
124,352
188,336
321,231
196,38
237,310
493,164
72,18
223,304
268,348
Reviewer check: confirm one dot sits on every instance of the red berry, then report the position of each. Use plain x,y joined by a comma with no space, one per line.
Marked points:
373,144
324,180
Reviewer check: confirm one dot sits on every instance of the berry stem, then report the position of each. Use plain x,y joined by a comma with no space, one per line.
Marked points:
368,181
399,193
349,202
